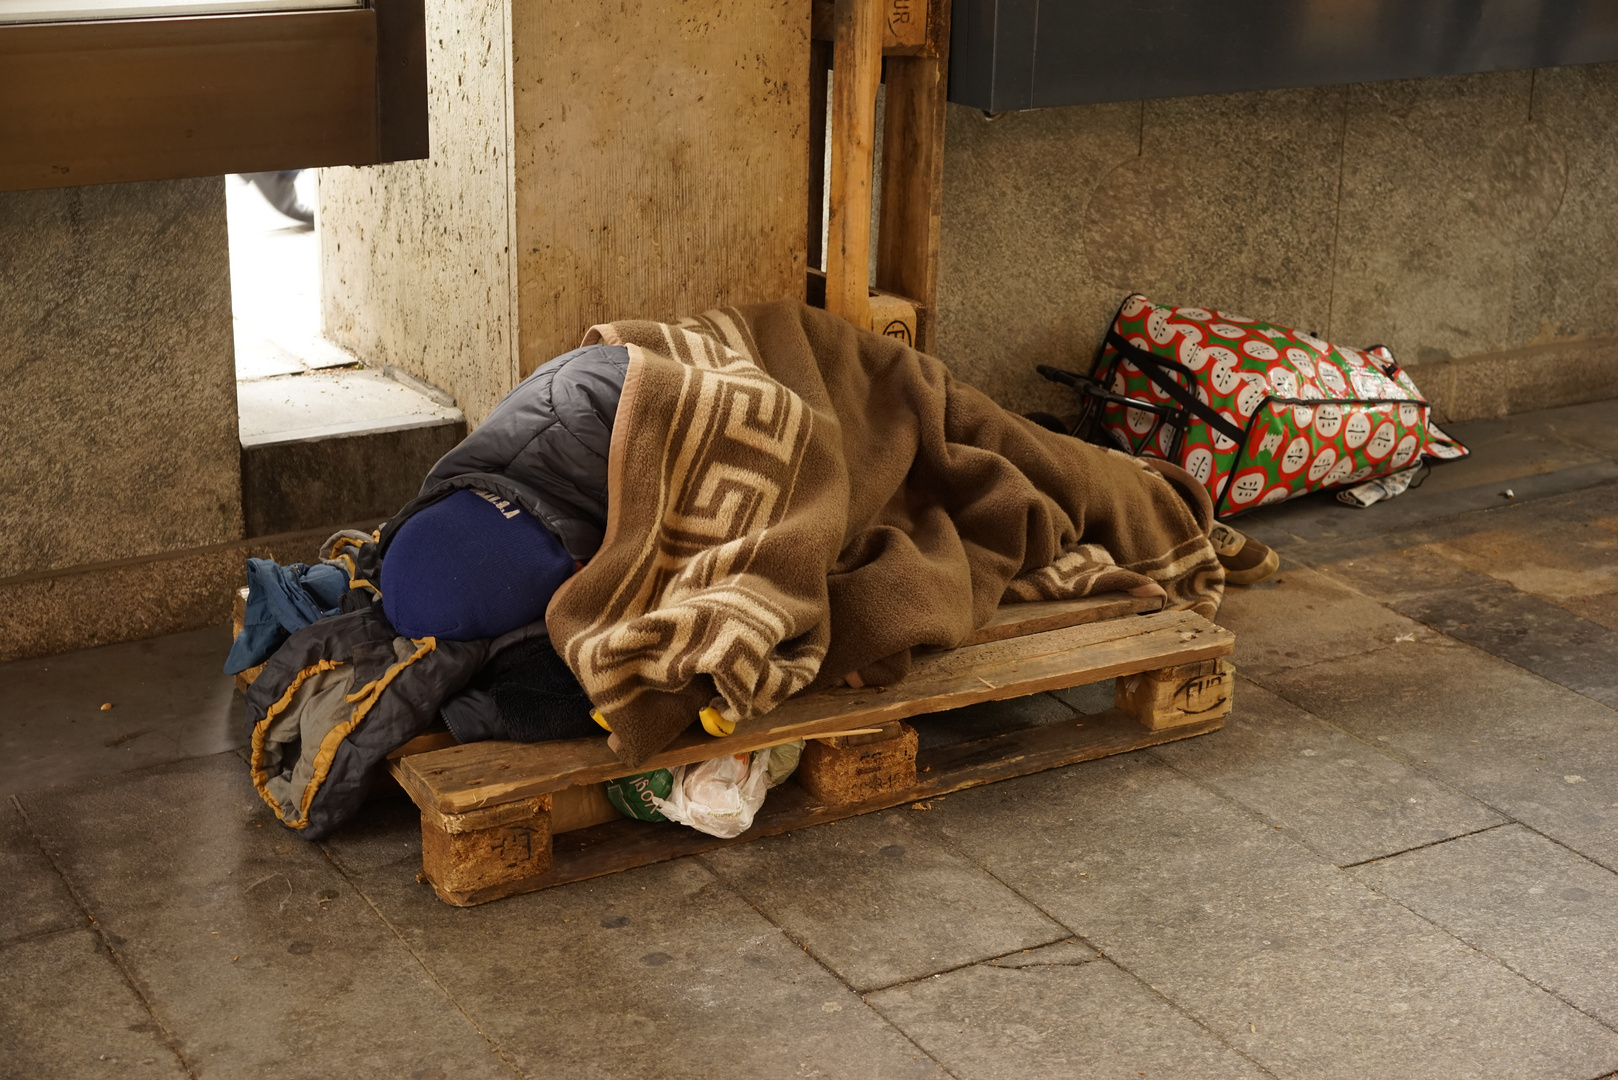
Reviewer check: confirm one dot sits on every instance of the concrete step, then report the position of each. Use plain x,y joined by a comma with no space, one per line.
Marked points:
337,445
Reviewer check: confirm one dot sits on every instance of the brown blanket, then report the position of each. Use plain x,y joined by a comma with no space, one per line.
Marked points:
792,500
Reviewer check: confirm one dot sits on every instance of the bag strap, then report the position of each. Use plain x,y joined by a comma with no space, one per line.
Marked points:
1153,366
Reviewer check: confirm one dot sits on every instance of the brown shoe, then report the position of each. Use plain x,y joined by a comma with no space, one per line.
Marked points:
1245,560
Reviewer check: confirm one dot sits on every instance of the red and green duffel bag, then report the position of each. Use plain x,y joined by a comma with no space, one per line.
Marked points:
1257,412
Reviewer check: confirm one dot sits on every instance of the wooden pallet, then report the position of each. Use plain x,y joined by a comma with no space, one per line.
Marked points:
504,818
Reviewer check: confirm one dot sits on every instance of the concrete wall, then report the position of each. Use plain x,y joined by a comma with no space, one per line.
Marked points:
1467,222
660,160
416,256
590,161
119,461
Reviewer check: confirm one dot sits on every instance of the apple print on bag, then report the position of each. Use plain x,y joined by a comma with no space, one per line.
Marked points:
1257,412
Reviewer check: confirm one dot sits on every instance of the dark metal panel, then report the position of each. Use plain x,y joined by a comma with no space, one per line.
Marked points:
1016,39
971,51
1120,50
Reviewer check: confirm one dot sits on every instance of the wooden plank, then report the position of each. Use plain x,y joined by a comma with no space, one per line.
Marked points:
905,25
625,844
401,79
424,743
1018,620
581,806
105,101
913,177
856,73
463,778
891,315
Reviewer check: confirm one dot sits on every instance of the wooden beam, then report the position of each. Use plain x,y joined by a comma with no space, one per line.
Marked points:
855,77
1038,616
913,178
401,79
108,101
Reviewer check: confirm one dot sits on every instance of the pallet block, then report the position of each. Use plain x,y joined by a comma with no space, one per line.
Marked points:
862,754
1172,696
848,769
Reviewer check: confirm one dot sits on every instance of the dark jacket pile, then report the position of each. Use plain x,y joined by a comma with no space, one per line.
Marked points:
343,692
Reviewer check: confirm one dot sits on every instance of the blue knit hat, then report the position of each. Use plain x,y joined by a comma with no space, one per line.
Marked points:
469,566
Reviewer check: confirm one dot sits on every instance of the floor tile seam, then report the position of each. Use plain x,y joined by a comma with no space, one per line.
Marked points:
412,859
1387,752
888,1020
1480,951
1507,818
1249,811
729,886
1186,1012
1396,537
1485,582
1520,667
35,935
494,1044
1370,888
1372,651
1429,844
981,961
1322,551
1569,848
1128,974
1281,827
1601,452
114,957
1101,954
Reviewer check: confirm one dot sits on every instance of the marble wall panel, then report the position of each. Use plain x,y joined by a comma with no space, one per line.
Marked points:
117,378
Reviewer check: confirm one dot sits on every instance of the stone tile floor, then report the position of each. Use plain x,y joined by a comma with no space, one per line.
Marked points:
1397,860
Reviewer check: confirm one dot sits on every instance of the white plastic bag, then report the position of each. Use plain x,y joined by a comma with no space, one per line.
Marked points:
721,796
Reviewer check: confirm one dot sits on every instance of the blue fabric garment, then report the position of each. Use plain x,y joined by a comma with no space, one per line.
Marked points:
281,599
471,565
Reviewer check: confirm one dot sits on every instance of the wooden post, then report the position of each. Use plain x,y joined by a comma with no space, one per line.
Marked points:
913,174
464,854
855,77
1169,697
853,768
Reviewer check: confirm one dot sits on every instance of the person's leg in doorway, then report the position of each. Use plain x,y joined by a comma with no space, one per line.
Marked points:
280,191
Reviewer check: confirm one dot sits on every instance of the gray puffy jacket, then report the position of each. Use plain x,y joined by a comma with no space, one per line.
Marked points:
544,447
315,752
